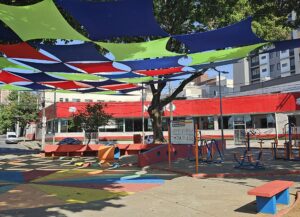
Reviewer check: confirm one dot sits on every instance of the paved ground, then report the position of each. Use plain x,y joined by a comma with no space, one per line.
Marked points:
34,186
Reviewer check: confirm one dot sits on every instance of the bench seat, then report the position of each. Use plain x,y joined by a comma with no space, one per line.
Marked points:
269,194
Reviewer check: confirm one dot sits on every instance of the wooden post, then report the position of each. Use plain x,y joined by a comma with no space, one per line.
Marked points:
196,148
169,144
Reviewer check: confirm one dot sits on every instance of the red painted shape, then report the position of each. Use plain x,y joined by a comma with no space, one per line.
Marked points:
96,67
8,78
270,189
267,103
119,86
35,174
67,85
22,50
160,71
160,154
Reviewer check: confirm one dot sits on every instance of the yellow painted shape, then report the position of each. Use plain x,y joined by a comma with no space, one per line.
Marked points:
64,174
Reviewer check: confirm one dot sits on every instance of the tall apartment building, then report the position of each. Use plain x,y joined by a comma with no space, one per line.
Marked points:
273,72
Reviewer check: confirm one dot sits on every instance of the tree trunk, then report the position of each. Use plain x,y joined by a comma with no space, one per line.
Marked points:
156,120
89,136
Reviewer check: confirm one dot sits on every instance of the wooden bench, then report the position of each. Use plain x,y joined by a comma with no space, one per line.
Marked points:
268,195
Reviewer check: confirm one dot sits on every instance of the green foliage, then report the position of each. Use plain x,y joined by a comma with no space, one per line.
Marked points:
25,111
92,117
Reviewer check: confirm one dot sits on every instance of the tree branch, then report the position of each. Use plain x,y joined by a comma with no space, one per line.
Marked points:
168,99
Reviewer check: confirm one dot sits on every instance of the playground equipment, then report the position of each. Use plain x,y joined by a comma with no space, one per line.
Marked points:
209,151
290,150
247,161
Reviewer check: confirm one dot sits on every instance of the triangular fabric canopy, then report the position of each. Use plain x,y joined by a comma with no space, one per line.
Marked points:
219,55
96,67
119,86
37,77
122,75
160,71
119,18
22,50
7,35
138,80
5,64
157,63
36,86
100,84
38,21
49,66
76,52
139,50
238,34
76,76
13,87
8,78
67,85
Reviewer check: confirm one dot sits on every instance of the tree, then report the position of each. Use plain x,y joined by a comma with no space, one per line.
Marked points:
186,16
91,118
24,111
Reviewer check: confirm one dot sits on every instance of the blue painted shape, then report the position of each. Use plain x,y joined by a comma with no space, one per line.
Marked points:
283,197
117,153
266,204
6,188
11,176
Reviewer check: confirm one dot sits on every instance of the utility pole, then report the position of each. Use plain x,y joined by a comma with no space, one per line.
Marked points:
18,122
143,116
171,104
43,121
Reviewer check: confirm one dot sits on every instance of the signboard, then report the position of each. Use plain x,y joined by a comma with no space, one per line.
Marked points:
182,132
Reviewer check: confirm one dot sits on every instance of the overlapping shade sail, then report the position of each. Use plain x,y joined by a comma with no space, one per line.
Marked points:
80,66
239,34
109,19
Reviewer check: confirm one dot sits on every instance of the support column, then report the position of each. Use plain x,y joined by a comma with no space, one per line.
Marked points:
216,123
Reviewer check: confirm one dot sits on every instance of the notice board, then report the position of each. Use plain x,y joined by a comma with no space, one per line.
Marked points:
182,132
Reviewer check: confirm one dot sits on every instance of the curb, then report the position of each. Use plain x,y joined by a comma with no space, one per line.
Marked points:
228,175
285,211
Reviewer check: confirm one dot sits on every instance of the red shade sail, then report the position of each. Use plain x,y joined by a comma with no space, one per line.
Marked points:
157,72
96,67
22,50
8,78
119,86
67,85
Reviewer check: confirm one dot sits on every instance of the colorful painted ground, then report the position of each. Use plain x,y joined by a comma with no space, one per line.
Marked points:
22,188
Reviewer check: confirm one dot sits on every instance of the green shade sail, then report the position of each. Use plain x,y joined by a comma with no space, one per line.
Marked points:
141,50
77,76
219,55
38,21
12,87
136,80
4,63
107,92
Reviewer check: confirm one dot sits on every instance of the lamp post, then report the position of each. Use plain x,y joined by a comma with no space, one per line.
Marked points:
221,106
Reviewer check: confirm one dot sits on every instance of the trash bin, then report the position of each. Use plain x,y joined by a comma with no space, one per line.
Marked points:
137,138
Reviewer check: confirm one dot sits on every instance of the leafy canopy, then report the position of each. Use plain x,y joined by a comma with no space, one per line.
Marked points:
92,117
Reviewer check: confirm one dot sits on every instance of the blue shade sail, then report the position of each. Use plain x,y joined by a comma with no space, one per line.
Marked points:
76,52
238,34
122,75
285,45
130,90
37,77
7,35
36,86
119,18
158,63
101,83
49,67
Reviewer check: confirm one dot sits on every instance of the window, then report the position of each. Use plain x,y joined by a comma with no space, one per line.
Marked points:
88,100
277,54
264,70
272,68
61,99
63,125
284,51
227,122
75,100
66,99
100,100
284,65
292,60
254,59
255,73
207,123
263,57
278,66
271,55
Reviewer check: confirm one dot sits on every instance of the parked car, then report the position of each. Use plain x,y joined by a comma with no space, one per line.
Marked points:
11,138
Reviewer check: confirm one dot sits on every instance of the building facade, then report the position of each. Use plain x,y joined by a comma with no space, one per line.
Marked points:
268,114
